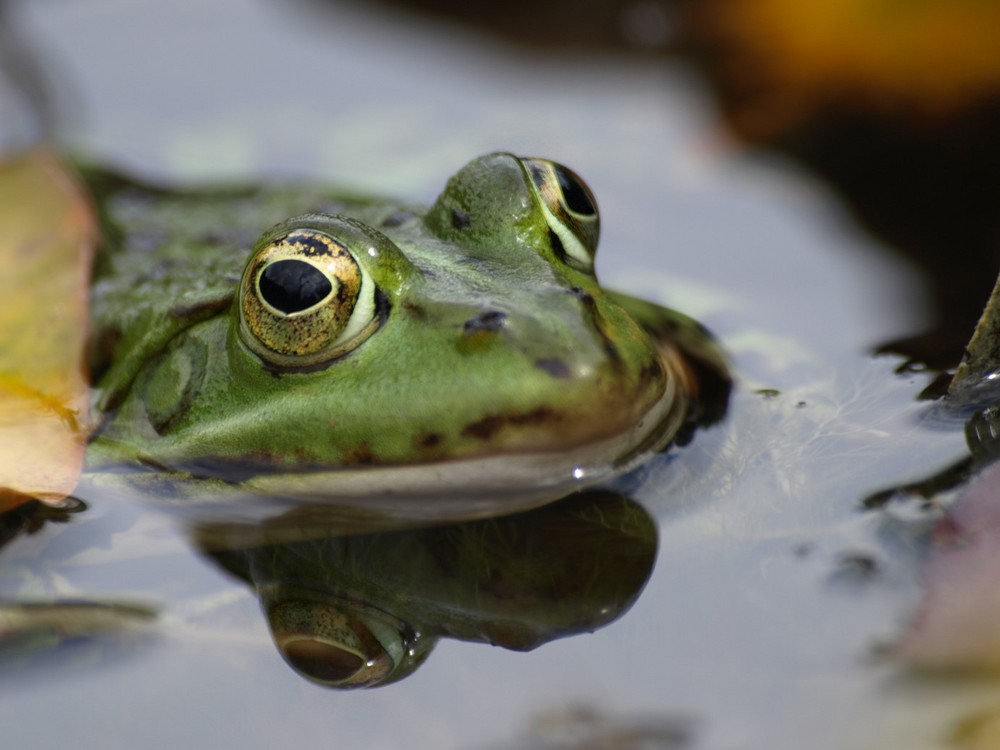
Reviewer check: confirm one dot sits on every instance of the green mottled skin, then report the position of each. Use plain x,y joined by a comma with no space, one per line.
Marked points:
176,388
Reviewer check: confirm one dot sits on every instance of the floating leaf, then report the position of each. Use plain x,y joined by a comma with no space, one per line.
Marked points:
46,249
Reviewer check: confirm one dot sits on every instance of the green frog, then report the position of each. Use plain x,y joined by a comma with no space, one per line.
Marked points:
371,347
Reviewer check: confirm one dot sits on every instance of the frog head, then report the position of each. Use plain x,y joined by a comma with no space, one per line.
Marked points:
380,349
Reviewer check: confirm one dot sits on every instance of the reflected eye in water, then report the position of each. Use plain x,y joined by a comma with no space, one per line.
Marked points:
342,644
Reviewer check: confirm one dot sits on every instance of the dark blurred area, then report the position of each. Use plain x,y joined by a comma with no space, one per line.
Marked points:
896,105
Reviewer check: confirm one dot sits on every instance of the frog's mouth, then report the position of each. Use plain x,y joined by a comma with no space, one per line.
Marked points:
464,487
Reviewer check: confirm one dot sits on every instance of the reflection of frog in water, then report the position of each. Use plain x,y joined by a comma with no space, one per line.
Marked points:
362,609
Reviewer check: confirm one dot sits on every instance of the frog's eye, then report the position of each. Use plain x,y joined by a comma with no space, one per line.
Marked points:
345,646
305,300
570,210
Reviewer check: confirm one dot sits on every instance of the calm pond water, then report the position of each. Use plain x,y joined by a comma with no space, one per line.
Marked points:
774,603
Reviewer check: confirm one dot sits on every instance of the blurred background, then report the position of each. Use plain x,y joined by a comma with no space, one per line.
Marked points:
877,118
814,181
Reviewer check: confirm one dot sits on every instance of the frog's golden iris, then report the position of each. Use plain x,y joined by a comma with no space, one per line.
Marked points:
304,299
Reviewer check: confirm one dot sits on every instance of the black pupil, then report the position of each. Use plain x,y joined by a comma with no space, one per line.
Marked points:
293,285
577,197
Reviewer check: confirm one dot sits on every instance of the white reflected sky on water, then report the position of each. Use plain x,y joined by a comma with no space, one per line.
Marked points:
732,628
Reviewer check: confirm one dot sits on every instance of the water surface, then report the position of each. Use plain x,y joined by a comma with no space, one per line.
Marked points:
773,599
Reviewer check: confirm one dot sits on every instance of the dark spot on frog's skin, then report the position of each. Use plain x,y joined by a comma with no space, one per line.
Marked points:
581,295
554,367
428,442
487,427
768,393
487,322
398,219
415,311
460,219
359,455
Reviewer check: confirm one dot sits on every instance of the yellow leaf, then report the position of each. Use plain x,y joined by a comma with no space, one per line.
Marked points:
49,235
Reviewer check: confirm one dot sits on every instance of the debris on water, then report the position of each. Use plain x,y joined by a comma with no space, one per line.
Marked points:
33,515
856,567
955,626
803,550
587,728
32,627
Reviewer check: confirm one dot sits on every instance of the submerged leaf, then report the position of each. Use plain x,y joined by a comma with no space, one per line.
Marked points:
956,625
46,248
